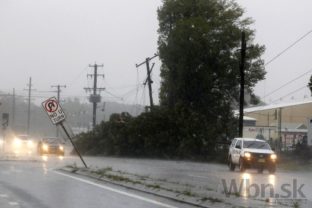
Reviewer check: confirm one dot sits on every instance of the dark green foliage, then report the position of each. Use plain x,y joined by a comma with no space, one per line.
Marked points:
310,84
161,133
199,42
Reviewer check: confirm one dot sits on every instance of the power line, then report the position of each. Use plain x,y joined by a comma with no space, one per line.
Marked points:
80,73
289,47
287,83
113,95
293,92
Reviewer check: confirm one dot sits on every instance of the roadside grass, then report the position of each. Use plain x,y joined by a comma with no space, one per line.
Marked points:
188,192
296,204
102,171
73,167
293,165
212,199
120,176
154,186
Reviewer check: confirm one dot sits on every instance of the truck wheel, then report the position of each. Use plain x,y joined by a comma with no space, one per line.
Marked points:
231,165
242,167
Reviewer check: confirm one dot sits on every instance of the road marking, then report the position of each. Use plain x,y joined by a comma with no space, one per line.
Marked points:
197,176
116,190
3,196
14,203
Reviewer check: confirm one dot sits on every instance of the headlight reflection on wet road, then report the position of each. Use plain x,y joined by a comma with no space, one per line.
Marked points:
255,185
246,181
44,158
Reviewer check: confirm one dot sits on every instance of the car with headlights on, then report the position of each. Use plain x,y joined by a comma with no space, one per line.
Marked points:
51,145
22,145
251,153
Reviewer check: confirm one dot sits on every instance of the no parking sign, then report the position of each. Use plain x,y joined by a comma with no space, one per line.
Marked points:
54,110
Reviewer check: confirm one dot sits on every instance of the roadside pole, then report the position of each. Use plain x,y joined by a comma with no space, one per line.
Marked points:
57,117
242,88
70,139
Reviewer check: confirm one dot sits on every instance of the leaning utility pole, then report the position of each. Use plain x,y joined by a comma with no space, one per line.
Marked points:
29,100
13,110
242,85
148,79
58,91
94,97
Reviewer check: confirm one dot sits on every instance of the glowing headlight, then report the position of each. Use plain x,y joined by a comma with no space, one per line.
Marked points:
17,142
273,157
61,148
30,143
247,154
45,147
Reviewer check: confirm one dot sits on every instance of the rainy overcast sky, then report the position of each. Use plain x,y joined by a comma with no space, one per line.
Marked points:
54,41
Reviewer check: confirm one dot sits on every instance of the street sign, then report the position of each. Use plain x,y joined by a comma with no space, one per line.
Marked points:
57,116
54,110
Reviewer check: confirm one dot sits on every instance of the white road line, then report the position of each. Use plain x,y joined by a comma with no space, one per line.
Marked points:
116,190
197,176
3,196
14,203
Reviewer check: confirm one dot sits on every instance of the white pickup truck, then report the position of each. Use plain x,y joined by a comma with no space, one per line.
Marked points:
251,153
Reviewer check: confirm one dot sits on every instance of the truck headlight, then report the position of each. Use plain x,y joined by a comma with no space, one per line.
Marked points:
273,157
45,147
61,148
30,143
17,142
247,155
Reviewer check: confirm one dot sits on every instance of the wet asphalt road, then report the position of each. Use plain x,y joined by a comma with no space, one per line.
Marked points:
38,183
285,184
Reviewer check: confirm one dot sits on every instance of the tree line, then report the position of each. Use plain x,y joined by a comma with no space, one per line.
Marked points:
199,47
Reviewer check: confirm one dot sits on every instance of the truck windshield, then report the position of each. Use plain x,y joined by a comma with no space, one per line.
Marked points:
256,145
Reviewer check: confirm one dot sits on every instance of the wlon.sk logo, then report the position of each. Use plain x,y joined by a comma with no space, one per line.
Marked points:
244,188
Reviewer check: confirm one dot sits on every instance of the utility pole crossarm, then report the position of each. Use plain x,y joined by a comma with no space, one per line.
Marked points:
149,59
148,79
95,97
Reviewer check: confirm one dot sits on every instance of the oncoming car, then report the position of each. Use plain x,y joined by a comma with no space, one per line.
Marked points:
251,153
51,145
22,145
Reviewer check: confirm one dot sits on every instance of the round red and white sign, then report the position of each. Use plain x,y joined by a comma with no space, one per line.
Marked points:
51,106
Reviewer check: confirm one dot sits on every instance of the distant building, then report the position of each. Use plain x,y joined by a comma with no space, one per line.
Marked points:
285,124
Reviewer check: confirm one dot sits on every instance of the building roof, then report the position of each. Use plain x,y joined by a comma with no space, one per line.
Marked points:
276,106
246,118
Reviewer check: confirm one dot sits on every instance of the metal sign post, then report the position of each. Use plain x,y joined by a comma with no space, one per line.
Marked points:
67,134
57,116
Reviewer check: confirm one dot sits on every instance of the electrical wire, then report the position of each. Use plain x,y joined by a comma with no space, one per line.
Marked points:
293,92
76,78
287,83
289,47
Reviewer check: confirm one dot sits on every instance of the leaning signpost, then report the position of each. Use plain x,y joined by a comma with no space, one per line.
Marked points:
57,116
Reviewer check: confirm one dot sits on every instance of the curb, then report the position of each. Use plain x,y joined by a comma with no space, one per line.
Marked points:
69,170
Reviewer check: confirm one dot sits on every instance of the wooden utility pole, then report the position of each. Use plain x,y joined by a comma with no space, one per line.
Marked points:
29,89
94,97
58,91
148,79
13,110
242,85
